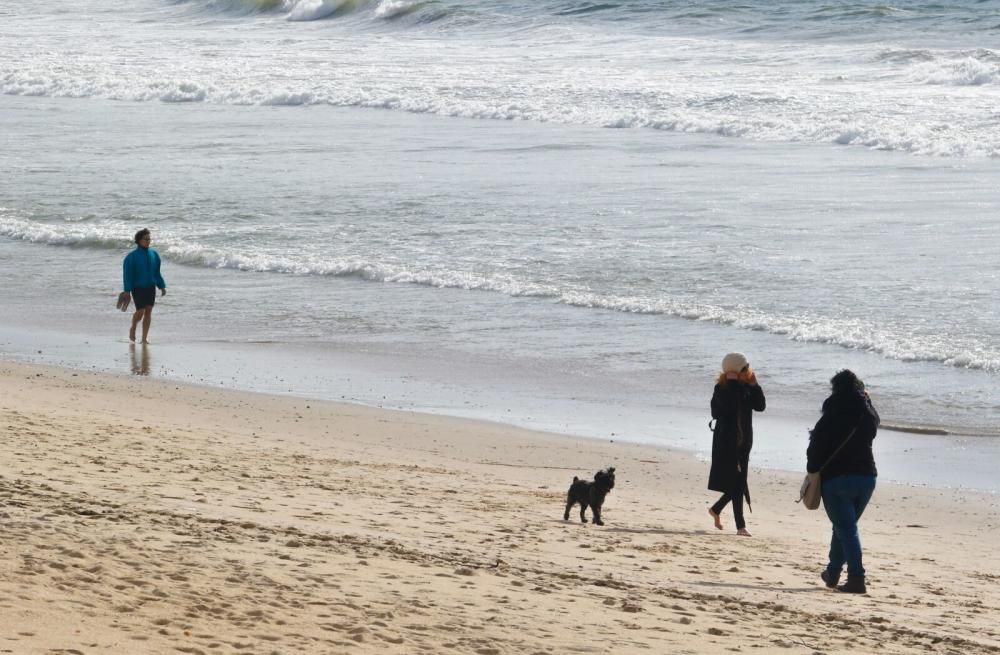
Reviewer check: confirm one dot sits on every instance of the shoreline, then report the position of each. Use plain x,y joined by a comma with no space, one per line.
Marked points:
152,515
910,456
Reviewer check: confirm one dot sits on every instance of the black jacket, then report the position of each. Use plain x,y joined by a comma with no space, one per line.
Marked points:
733,404
841,413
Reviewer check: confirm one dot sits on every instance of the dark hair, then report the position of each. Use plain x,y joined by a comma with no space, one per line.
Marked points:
141,234
845,381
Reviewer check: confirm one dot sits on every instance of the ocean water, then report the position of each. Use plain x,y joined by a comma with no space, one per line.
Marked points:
558,214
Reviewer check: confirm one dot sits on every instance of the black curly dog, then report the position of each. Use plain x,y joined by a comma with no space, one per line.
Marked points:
590,494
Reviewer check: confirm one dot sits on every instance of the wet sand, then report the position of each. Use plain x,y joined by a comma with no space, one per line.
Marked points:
144,516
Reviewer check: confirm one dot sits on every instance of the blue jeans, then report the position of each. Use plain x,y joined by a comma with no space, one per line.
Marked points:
845,498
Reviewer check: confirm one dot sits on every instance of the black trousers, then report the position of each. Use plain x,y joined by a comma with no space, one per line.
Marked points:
736,496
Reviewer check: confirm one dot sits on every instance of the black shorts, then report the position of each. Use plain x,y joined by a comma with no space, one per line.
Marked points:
145,297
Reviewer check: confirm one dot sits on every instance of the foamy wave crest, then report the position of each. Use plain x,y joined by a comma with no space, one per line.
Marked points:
359,267
116,235
388,9
310,10
929,126
77,232
182,92
968,71
306,10
891,133
854,334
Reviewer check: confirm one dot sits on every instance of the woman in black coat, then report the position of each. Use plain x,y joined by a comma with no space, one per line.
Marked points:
840,449
737,395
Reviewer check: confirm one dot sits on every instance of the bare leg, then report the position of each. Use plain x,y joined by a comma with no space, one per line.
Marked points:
718,519
136,317
147,319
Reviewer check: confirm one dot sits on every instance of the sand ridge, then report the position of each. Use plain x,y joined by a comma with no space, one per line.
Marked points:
140,516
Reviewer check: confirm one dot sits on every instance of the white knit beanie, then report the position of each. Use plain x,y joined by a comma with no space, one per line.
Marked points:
734,362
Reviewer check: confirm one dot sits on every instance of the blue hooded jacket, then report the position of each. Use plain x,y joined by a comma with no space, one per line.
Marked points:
141,269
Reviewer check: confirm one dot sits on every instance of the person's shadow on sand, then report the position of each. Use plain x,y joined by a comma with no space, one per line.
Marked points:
140,362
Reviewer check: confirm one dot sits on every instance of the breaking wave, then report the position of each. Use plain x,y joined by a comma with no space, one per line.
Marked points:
747,117
852,333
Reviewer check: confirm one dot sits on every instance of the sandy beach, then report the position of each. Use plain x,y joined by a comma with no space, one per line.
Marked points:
426,261
142,516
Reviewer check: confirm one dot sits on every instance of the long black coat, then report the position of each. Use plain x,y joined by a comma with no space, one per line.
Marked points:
733,404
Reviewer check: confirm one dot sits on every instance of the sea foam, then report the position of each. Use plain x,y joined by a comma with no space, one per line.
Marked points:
968,71
956,136
388,9
307,10
893,342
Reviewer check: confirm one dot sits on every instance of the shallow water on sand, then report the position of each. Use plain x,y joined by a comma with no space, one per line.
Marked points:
530,360
355,230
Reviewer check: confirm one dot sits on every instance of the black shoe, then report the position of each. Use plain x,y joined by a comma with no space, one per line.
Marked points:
855,585
830,580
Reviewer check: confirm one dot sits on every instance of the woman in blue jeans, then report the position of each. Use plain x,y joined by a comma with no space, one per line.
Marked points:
840,449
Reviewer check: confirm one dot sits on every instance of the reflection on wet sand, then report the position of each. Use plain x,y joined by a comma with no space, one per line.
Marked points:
140,362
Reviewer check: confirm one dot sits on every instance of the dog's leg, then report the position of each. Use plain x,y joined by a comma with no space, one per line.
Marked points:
569,506
583,511
597,515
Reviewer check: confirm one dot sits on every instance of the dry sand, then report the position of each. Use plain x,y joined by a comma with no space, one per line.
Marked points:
140,516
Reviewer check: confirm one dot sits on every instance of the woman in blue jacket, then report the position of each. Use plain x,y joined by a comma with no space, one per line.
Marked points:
141,276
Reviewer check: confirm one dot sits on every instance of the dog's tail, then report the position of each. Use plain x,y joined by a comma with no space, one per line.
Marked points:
576,479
